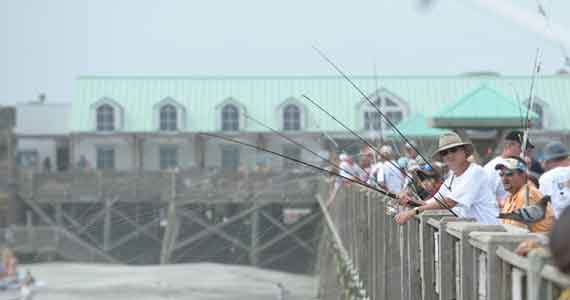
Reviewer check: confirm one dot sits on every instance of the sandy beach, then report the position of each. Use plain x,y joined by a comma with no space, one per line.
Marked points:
202,281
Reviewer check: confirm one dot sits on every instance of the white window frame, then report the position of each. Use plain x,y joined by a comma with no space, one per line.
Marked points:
280,114
168,163
98,160
382,95
118,115
241,115
180,115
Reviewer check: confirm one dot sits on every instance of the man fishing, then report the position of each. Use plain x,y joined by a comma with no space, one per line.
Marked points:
512,146
556,181
466,190
513,172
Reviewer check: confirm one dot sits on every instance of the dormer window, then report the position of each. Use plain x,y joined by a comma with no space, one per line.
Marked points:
106,115
389,104
291,117
168,118
230,118
169,115
105,118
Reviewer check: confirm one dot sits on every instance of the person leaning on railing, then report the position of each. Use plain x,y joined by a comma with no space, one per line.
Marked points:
513,172
558,244
466,190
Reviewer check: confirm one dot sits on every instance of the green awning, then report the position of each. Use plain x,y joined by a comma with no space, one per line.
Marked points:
415,126
482,108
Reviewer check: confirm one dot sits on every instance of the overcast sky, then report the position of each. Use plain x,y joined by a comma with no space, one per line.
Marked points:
46,44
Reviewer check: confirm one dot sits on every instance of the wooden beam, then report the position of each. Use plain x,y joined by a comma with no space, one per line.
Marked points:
215,228
76,224
285,234
107,224
133,234
284,253
171,225
287,231
135,224
254,241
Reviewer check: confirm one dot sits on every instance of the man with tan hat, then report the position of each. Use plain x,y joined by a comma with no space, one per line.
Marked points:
466,189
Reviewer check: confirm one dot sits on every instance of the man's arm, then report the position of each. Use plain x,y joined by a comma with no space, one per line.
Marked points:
430,204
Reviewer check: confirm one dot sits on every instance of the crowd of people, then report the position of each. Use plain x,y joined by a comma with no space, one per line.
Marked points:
505,186
453,180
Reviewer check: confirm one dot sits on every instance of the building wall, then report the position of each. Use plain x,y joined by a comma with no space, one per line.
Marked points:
250,157
43,147
87,146
151,151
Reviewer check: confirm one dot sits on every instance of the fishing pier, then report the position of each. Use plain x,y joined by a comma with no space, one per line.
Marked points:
433,256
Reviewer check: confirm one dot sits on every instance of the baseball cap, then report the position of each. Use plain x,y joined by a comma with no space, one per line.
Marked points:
512,163
555,150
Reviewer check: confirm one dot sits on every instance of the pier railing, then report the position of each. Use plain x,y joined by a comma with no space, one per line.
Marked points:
433,256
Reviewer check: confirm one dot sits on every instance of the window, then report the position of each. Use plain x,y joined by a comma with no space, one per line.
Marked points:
105,118
292,152
291,117
230,157
230,118
168,156
105,158
27,158
374,121
168,118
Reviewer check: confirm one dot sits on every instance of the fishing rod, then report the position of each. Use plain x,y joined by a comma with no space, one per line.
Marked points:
535,72
385,193
343,74
441,203
299,144
354,133
392,125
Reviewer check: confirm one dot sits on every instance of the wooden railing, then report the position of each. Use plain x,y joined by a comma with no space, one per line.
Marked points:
161,186
433,256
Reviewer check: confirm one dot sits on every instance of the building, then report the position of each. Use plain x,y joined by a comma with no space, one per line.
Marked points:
152,123
42,130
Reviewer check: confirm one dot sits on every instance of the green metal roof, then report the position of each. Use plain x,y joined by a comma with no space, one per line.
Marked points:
483,103
417,125
262,95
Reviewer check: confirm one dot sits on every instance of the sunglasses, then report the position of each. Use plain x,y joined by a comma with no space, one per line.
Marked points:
451,150
506,173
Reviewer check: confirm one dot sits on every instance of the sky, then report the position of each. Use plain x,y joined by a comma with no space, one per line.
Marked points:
47,44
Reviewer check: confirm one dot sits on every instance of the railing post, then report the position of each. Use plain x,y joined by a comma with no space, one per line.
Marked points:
413,241
427,247
466,289
536,261
488,243
447,259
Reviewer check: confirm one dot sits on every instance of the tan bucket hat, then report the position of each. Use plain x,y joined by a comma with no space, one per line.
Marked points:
450,140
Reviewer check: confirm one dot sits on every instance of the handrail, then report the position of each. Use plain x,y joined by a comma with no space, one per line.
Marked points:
434,255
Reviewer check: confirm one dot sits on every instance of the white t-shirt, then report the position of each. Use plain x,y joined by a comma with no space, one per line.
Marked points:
494,179
347,170
556,183
473,195
391,176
